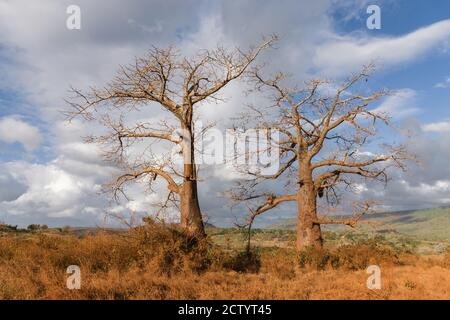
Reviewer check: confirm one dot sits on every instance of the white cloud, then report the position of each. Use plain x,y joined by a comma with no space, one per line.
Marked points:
11,187
65,188
428,189
343,54
13,130
400,105
425,183
359,188
442,127
50,191
444,84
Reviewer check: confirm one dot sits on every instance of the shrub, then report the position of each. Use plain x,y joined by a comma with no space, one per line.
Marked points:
66,229
350,257
37,227
170,250
279,261
33,227
7,228
316,258
243,261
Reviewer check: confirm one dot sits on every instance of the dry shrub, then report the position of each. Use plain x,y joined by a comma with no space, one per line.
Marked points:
280,262
277,261
349,257
96,253
170,250
243,261
312,257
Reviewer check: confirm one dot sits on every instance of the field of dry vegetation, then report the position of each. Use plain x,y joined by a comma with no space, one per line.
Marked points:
153,262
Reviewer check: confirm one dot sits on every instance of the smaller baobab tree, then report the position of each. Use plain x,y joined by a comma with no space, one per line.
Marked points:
324,129
130,106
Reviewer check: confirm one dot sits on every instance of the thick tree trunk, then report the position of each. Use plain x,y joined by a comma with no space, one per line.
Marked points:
308,231
191,216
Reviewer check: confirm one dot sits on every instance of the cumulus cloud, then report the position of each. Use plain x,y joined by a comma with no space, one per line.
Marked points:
50,190
13,130
424,184
11,187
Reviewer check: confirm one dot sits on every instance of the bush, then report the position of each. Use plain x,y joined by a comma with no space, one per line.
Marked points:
7,228
37,227
170,250
66,229
280,262
350,257
33,227
244,261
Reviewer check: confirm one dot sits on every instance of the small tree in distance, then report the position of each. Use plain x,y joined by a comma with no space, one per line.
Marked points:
324,128
177,85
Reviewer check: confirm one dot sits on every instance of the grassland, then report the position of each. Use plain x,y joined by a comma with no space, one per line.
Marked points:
156,262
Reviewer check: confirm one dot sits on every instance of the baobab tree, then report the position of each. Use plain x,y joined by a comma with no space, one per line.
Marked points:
324,128
177,85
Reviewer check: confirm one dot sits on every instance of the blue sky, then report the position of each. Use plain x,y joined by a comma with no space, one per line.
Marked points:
48,175
399,18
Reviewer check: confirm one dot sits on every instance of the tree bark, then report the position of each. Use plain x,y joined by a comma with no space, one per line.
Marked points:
309,233
191,216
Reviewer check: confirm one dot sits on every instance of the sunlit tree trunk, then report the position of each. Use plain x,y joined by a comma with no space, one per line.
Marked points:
308,230
191,217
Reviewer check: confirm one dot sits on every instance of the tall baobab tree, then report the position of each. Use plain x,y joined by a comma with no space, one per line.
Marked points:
324,128
177,85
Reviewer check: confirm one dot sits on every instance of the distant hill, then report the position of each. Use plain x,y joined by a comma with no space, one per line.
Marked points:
430,224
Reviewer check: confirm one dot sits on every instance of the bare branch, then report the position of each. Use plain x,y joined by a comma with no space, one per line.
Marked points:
352,221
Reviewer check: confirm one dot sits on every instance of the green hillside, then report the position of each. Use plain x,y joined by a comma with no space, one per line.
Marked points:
431,224
425,230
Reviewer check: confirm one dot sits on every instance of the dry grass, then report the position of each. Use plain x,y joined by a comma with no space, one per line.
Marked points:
159,263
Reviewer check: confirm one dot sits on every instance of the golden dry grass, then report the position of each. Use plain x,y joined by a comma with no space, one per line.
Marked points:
156,263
